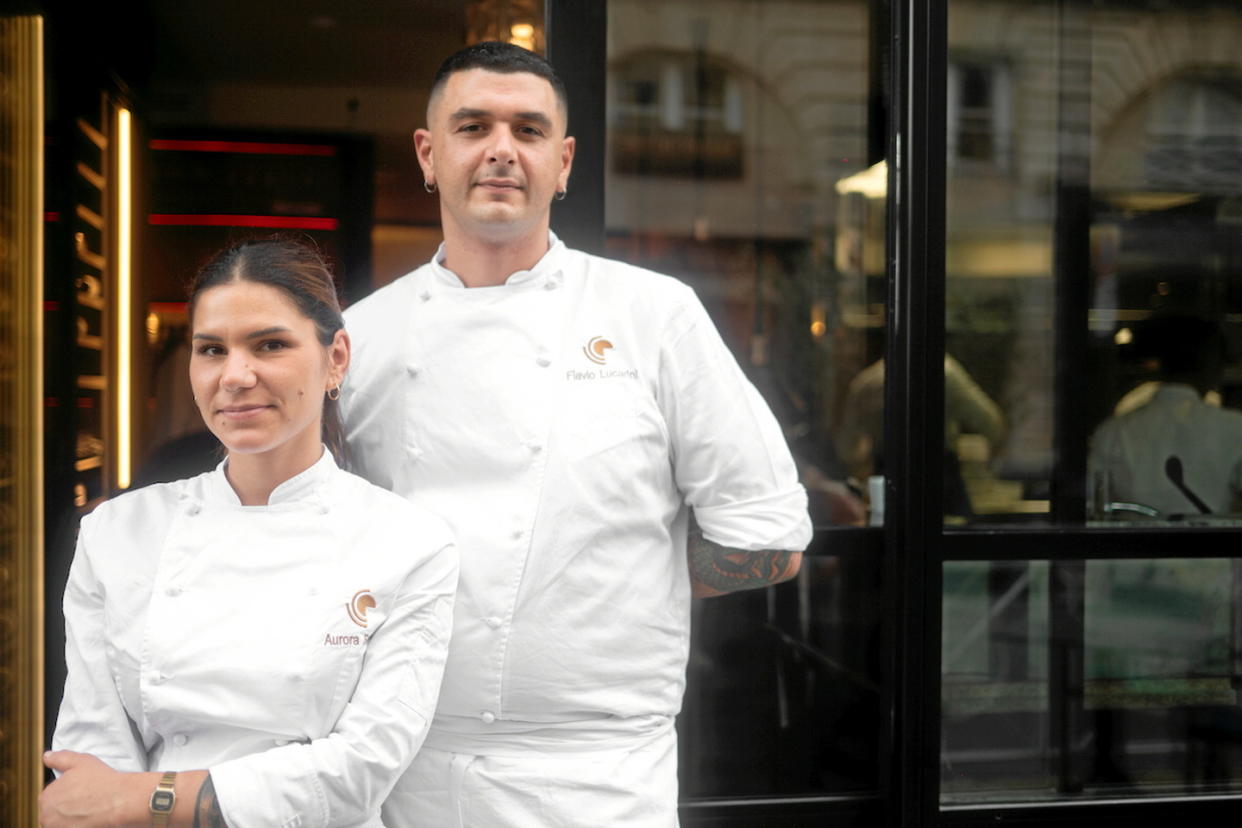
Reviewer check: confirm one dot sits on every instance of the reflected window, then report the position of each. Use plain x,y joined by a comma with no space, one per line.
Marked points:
1094,679
1193,138
677,114
978,112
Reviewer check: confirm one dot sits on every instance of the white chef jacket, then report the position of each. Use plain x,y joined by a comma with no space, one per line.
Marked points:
1128,453
294,650
561,423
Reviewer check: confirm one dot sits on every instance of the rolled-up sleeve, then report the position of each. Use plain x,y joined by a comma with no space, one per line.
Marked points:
730,459
342,778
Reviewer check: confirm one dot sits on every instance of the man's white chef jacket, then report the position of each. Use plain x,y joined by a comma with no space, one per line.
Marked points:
1128,453
561,422
294,650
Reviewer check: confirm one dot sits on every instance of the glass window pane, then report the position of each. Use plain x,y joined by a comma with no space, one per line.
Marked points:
742,159
1093,204
1103,679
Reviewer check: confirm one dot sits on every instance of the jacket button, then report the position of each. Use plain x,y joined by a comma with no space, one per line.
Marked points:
543,361
180,739
487,716
494,622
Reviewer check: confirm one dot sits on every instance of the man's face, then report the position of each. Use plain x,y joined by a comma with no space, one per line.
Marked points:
495,147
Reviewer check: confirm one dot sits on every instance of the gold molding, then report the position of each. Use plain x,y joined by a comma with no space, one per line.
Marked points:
21,407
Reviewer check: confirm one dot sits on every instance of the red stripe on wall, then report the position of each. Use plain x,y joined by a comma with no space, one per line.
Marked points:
219,220
247,147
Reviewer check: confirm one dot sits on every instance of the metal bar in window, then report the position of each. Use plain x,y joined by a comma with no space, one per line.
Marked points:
914,401
577,46
1072,262
1077,544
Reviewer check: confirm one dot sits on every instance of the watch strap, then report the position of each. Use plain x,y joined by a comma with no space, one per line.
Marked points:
163,799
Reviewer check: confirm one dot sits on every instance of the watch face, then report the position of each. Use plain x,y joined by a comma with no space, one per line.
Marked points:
162,801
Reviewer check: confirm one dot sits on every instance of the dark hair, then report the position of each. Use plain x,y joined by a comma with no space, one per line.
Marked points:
1190,348
505,58
301,273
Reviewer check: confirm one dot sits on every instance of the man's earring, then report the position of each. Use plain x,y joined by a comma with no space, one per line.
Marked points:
429,186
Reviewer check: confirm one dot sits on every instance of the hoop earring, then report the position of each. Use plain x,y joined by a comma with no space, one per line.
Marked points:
334,394
560,194
429,186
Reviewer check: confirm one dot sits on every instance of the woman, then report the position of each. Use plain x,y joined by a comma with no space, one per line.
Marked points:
261,644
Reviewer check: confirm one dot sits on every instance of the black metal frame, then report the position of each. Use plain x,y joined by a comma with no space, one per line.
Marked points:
577,46
913,434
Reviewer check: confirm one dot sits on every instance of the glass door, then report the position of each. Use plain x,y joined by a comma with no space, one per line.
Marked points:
1092,320
746,156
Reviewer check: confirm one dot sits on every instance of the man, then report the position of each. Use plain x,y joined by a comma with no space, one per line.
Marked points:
1129,458
565,414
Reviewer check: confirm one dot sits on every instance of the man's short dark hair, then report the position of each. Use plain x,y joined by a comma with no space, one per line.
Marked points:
505,58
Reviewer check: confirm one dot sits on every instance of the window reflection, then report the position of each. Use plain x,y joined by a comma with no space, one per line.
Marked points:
1154,708
1116,132
741,161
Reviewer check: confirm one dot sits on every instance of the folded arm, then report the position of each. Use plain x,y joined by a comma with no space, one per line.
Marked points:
718,570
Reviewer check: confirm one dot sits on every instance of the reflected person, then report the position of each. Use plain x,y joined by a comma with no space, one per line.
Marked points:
968,409
261,644
1129,455
566,414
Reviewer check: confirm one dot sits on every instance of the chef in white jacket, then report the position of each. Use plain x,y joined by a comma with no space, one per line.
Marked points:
261,645
565,413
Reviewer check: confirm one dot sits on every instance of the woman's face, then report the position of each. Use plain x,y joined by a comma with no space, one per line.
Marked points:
258,371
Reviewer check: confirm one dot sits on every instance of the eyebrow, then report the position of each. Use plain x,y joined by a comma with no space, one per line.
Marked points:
466,113
254,335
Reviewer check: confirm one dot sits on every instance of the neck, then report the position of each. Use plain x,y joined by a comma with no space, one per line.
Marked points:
487,263
255,476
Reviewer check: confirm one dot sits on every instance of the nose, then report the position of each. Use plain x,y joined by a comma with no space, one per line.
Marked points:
501,150
237,373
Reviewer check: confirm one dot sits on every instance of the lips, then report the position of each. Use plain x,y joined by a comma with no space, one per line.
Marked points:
499,184
241,412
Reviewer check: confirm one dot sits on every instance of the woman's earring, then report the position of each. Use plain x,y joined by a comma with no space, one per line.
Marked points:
429,186
334,393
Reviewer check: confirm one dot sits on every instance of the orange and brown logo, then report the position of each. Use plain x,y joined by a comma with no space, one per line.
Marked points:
596,348
357,607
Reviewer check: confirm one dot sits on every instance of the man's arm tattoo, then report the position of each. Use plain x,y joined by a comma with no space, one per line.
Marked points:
207,813
730,570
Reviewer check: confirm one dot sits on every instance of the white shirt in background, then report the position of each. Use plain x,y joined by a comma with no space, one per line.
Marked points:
1129,452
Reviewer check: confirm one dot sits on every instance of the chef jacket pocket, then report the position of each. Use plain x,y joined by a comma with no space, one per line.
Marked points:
601,417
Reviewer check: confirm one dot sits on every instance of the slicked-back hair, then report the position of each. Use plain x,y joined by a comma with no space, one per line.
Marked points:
504,58
297,270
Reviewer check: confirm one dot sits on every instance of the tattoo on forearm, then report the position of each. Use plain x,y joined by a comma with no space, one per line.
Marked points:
729,570
207,813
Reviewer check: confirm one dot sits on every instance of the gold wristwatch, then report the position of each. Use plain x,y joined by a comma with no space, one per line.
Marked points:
163,798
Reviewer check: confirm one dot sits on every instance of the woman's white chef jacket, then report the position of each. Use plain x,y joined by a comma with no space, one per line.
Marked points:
560,423
295,650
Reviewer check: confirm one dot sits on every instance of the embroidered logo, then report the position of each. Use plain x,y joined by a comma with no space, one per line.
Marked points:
357,607
595,349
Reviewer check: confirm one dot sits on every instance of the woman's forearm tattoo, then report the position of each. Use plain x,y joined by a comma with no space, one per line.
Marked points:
207,813
729,570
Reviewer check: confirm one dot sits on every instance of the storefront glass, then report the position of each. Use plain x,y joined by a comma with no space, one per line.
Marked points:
1093,261
1094,299
744,158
